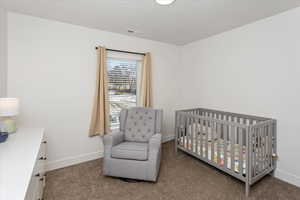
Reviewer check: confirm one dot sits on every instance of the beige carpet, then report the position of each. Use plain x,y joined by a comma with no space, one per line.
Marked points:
182,177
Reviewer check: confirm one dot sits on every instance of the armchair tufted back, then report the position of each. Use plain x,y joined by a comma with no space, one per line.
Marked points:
139,124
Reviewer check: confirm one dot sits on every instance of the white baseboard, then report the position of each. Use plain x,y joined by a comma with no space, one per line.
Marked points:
69,161
57,164
287,177
168,138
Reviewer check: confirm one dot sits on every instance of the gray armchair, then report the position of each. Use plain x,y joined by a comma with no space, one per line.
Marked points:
134,152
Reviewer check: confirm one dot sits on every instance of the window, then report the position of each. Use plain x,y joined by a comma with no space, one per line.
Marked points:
122,86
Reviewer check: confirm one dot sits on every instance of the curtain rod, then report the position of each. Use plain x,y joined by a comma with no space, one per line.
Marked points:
121,51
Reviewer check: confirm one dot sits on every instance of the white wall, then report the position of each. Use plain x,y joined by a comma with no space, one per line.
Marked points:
254,69
3,49
52,69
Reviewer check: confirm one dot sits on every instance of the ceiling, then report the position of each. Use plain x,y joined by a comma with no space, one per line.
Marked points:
180,23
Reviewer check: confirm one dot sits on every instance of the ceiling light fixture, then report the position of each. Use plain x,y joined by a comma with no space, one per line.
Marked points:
164,2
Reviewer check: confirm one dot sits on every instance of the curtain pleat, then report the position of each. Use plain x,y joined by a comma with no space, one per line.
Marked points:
146,82
100,123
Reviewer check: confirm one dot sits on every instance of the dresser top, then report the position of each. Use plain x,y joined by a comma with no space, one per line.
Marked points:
17,159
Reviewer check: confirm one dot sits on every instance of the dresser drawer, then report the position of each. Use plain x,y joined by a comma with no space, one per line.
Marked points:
20,158
38,179
31,190
40,160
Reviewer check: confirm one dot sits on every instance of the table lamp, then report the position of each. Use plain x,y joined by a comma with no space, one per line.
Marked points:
9,109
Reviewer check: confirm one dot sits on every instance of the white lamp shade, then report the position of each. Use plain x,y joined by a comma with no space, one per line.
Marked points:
9,107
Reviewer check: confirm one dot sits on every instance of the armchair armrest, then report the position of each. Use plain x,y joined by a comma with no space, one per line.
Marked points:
154,156
155,142
110,140
113,139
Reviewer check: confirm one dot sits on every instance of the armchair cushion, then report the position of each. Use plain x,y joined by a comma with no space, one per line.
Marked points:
130,151
140,124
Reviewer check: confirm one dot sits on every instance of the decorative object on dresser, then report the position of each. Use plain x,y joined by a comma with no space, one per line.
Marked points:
9,109
22,165
3,136
243,146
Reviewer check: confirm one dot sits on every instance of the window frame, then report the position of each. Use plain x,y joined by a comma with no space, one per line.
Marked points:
126,57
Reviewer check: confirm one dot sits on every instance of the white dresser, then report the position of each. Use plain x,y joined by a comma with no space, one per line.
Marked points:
22,165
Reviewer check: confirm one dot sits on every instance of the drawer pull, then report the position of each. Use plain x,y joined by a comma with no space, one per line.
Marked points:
44,142
37,175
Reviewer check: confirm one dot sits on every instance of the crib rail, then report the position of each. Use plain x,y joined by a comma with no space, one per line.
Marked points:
263,144
241,145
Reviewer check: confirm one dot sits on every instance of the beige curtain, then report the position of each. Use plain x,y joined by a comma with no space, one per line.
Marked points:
146,82
100,123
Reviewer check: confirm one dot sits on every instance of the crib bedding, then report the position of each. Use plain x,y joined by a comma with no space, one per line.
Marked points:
188,145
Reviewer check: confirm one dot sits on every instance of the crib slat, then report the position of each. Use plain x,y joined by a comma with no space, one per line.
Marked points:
206,139
241,160
189,133
267,147
251,153
177,127
192,133
264,147
232,146
255,151
201,137
221,127
270,145
274,139
197,135
225,142
247,159
180,129
182,123
266,143
218,143
212,141
259,150
185,131
210,136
